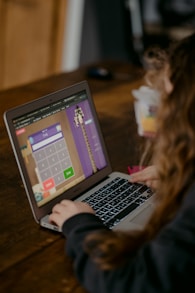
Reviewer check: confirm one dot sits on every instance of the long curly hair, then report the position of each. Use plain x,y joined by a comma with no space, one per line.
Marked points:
173,153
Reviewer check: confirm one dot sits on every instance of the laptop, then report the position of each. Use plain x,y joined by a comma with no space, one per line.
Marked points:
61,154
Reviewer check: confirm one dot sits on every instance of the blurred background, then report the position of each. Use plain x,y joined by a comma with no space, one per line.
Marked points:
39,38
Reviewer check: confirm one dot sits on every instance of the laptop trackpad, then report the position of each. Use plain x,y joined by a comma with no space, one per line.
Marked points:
143,216
136,221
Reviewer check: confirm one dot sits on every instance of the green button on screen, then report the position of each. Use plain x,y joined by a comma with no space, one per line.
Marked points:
68,173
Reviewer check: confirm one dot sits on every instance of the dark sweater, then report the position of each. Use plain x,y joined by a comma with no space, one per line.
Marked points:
166,264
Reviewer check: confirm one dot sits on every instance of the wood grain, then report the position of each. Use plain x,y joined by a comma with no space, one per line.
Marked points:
31,39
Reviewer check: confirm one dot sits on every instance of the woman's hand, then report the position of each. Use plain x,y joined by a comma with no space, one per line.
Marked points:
66,209
147,176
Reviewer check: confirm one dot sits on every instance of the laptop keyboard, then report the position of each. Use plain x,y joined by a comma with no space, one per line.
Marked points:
117,199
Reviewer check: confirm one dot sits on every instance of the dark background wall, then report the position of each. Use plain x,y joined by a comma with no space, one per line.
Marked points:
107,31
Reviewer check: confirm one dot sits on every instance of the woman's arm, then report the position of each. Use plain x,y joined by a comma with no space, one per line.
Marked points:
163,265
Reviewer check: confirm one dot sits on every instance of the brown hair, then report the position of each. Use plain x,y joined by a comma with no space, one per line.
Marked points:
174,155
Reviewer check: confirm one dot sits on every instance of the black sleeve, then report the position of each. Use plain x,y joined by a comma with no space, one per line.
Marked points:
166,264
77,228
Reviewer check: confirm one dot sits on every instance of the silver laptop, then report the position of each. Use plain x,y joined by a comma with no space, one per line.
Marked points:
61,154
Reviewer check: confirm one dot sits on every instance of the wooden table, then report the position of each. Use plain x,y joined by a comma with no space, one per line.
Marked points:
32,259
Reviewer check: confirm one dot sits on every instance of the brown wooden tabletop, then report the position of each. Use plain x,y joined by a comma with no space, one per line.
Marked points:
33,259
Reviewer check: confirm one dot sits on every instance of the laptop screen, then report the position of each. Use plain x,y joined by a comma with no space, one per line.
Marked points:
60,144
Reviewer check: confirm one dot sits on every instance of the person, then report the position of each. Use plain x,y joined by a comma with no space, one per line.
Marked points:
161,257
